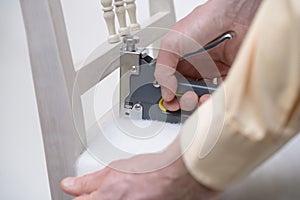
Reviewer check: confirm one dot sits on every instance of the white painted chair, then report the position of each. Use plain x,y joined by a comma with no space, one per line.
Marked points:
54,76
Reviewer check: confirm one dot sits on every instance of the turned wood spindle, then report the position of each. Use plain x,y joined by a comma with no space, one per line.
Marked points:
109,17
121,14
131,9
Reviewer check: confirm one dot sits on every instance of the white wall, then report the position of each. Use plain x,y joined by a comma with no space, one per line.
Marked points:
22,168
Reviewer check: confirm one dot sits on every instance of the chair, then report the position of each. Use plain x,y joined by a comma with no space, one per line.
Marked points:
54,76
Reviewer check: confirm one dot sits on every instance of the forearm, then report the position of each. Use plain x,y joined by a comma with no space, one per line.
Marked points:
257,110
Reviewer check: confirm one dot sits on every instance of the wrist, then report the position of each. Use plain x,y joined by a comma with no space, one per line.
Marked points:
178,171
182,173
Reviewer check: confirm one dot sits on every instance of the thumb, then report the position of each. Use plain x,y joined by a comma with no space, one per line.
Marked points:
83,185
165,76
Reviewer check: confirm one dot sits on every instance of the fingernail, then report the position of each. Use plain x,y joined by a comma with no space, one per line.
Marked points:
69,182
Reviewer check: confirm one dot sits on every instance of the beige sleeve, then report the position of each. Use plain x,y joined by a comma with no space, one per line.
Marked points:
257,110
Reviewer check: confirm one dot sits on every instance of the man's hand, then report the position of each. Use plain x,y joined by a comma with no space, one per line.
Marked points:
203,25
168,183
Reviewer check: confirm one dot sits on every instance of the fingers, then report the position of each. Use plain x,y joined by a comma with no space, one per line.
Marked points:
112,188
83,197
93,196
164,75
172,105
189,101
187,36
83,185
204,98
183,38
186,102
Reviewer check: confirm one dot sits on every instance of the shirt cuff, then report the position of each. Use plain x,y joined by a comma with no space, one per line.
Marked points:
217,150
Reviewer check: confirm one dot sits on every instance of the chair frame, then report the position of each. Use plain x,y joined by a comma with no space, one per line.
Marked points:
54,75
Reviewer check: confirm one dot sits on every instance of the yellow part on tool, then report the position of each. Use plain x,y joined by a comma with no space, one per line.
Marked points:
161,103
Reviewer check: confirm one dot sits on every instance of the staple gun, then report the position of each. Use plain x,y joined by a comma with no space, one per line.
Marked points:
140,94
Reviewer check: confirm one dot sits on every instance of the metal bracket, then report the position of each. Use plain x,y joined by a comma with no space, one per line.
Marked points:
129,65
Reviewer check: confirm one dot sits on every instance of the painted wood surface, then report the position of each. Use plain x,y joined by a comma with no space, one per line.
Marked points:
53,75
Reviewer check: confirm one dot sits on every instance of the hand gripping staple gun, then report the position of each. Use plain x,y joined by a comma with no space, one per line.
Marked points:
140,95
